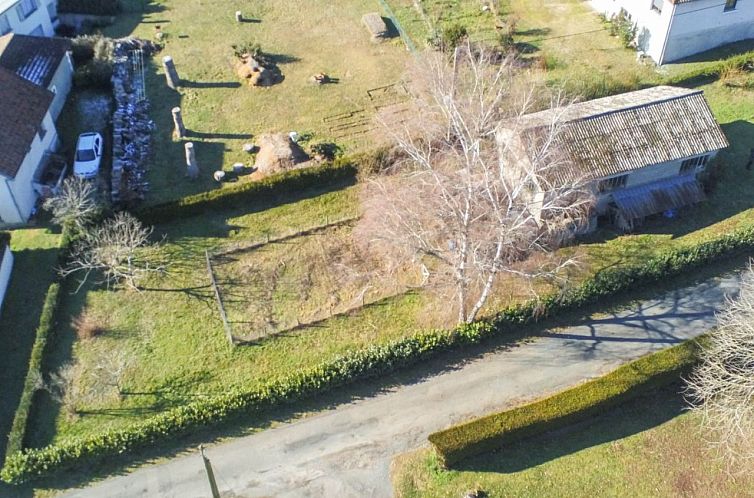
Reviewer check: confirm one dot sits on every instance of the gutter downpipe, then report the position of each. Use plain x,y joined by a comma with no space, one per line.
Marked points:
667,35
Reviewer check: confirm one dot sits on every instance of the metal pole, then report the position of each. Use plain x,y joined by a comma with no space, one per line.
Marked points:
210,474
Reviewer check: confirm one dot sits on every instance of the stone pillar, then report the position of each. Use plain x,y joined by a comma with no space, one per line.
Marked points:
239,16
180,129
171,75
192,168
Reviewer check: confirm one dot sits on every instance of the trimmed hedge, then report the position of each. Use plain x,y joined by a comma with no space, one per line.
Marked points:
495,431
43,334
90,7
361,364
244,195
712,70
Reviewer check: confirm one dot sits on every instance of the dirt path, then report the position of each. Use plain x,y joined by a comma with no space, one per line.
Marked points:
346,451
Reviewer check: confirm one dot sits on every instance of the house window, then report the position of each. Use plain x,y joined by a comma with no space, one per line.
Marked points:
657,5
613,183
26,8
694,164
52,10
730,5
4,25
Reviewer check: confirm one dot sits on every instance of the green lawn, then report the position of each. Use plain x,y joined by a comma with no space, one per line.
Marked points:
650,447
221,113
35,255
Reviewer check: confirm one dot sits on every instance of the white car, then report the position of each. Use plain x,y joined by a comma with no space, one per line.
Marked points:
88,155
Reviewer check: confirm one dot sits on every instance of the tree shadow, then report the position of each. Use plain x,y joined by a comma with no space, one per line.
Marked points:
210,84
278,59
133,13
526,48
216,136
718,53
533,32
633,417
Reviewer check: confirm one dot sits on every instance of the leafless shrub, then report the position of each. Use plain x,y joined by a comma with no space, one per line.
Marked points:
721,388
119,249
472,198
76,206
88,326
64,389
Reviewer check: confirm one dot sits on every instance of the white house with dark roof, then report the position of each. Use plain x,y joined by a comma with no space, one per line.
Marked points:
28,17
36,75
6,265
46,62
668,30
643,152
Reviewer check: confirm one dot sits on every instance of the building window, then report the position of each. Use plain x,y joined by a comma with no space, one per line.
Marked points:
26,8
657,5
694,164
730,5
613,183
4,25
52,10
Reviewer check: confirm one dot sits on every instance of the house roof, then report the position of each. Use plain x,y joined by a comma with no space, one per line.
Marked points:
7,4
625,132
34,58
23,106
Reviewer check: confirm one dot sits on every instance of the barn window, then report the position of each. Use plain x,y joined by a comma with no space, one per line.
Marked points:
730,5
657,5
694,164
612,183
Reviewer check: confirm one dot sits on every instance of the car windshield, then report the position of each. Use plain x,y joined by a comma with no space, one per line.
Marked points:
85,155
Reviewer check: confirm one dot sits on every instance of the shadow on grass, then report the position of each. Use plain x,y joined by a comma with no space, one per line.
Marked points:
133,13
210,84
719,53
636,416
249,423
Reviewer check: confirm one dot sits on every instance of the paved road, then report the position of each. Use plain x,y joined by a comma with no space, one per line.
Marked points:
346,451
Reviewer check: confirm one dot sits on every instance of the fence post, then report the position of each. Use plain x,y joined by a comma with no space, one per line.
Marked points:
218,298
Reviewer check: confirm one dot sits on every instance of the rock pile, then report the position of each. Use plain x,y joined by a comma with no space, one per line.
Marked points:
278,153
132,126
376,26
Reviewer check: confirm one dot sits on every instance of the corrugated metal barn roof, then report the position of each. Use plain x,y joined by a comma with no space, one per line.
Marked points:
618,134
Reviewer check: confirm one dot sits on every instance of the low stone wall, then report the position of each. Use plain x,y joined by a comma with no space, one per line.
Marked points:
132,126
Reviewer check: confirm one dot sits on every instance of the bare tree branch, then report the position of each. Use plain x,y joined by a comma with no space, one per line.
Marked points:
721,388
469,201
76,206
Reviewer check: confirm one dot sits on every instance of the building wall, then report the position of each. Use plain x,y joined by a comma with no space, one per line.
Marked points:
17,196
61,86
684,29
6,268
702,25
39,23
652,25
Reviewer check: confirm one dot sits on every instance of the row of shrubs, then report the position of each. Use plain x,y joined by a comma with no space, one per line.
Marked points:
90,7
494,432
246,195
34,373
361,364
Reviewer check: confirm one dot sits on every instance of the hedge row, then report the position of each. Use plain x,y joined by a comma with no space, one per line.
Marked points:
249,194
369,362
90,7
43,333
495,431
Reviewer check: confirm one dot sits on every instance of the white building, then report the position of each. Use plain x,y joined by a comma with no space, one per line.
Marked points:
643,152
6,266
28,17
35,77
668,30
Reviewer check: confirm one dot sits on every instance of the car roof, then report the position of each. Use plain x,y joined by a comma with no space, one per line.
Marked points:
86,140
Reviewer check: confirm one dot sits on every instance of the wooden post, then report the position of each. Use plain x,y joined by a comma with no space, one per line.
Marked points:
171,75
180,129
239,16
192,168
219,299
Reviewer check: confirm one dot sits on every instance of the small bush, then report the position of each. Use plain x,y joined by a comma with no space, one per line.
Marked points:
94,74
88,326
495,431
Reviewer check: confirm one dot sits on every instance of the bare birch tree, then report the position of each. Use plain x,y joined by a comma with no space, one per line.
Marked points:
466,201
76,206
119,250
721,388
